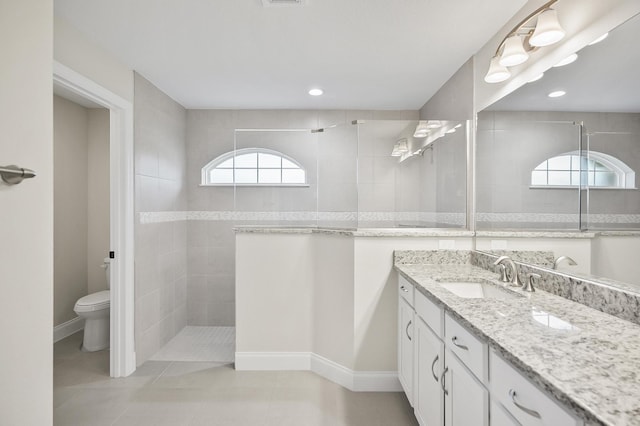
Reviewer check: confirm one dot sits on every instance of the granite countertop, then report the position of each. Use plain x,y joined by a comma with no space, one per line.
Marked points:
359,232
535,234
588,360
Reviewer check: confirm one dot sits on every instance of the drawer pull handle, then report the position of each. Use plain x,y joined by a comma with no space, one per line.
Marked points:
454,340
446,392
433,364
406,330
512,394
403,288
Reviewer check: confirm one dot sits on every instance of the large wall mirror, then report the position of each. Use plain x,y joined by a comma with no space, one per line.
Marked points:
567,162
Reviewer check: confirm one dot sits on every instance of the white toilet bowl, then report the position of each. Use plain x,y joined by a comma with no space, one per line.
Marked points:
95,309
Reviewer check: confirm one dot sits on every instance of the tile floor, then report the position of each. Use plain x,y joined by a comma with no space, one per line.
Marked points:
205,393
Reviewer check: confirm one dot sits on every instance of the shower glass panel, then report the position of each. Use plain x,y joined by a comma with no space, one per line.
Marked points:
527,172
338,176
407,181
275,177
613,202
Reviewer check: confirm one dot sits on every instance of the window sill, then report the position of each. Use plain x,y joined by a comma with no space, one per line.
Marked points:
268,185
575,187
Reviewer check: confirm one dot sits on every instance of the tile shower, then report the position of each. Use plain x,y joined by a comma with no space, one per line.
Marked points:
185,243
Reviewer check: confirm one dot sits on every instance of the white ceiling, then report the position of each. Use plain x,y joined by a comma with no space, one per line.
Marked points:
365,54
604,78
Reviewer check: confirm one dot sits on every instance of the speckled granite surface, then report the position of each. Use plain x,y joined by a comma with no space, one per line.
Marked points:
612,297
361,232
588,360
534,234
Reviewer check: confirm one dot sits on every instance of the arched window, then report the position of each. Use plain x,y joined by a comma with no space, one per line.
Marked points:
254,167
572,170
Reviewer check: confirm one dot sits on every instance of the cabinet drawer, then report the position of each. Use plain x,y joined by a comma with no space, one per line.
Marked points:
405,289
522,399
499,416
471,350
430,313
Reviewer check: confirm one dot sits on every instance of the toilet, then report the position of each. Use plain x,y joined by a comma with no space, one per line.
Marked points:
94,308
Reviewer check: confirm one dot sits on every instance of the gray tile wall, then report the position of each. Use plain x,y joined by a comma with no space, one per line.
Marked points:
160,248
211,244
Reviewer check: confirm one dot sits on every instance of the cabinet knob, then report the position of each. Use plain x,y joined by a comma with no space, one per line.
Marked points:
403,288
529,411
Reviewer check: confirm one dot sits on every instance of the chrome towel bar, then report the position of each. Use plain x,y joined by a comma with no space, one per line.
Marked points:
14,174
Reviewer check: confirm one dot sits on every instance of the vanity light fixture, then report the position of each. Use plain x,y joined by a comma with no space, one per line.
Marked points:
599,39
557,94
434,124
523,38
316,92
400,148
566,61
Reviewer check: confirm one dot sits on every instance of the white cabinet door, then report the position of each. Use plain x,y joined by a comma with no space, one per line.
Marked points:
466,399
405,347
498,416
428,398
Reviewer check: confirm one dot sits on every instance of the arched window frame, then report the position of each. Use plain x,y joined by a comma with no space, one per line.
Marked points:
205,177
626,177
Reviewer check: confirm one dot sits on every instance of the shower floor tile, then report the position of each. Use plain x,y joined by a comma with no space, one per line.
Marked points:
203,344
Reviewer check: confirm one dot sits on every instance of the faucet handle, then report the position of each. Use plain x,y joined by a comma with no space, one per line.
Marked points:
502,270
532,277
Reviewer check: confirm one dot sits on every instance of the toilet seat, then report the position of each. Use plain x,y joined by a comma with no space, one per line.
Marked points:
93,302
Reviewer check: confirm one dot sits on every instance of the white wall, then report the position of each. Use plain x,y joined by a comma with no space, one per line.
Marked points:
73,49
70,206
333,295
97,198
616,258
26,216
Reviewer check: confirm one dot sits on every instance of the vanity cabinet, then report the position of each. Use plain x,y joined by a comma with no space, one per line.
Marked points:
443,391
522,399
405,347
429,356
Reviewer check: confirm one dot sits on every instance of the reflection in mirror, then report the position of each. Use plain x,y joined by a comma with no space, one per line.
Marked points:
569,162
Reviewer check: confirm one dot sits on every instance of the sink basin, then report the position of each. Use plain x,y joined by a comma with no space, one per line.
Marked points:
478,290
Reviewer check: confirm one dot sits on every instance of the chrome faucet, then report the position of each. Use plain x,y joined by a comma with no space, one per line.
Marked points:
515,279
559,260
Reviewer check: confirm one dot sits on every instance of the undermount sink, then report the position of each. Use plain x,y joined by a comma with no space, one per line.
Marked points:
478,290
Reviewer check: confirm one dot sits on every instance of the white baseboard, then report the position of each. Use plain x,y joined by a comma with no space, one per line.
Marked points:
66,329
358,381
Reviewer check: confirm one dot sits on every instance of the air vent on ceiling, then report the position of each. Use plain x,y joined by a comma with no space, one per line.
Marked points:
270,3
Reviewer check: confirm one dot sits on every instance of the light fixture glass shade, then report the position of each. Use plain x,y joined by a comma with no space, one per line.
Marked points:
433,124
421,130
497,73
548,29
599,39
403,145
513,52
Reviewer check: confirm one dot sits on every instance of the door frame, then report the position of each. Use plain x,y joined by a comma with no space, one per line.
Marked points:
122,358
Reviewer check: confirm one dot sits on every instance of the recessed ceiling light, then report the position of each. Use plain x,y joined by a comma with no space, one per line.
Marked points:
536,78
316,92
557,94
599,39
566,61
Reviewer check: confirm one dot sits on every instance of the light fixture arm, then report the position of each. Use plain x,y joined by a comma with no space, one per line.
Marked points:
522,23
